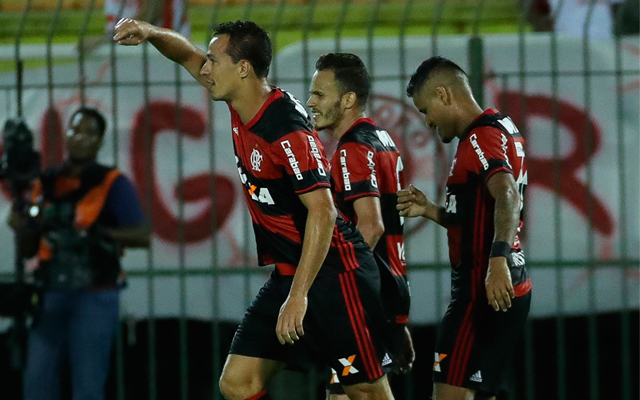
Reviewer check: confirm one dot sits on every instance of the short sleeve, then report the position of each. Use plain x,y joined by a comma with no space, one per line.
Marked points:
488,151
122,203
358,170
302,156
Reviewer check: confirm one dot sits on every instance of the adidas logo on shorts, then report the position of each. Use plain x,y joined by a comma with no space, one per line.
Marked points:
386,360
477,377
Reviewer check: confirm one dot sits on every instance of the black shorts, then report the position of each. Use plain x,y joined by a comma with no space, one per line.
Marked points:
476,344
397,302
344,325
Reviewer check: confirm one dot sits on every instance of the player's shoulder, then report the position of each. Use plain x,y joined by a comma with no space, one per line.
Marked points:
364,132
493,122
282,116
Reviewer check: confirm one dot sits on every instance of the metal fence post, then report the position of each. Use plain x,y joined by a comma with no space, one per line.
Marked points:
476,68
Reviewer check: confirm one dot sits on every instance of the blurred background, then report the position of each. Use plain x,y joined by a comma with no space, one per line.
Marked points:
566,71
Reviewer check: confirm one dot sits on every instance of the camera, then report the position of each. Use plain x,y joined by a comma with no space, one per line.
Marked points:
19,166
20,163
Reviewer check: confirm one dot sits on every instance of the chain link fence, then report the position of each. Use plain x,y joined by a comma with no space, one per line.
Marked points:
575,99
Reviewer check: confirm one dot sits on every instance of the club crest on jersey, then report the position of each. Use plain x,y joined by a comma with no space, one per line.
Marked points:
256,160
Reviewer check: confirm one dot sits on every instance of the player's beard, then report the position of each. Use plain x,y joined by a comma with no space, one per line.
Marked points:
330,118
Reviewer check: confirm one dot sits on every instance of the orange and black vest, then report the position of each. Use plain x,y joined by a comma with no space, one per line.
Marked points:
74,251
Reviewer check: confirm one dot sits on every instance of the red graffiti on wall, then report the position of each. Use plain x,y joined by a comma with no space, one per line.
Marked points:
162,116
561,175
423,154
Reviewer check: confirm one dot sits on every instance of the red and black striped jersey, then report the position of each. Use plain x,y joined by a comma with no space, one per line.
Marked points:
491,144
368,163
279,157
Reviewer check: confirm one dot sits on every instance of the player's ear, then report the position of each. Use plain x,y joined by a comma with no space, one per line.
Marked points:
244,67
349,100
443,94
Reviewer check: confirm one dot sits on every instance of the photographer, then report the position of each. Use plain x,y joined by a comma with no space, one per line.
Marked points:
80,216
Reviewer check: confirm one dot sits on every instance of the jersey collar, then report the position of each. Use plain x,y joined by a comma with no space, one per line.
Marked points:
360,121
468,129
275,94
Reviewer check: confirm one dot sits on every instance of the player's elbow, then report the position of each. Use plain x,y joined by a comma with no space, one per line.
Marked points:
377,229
371,232
508,200
323,213
512,197
332,214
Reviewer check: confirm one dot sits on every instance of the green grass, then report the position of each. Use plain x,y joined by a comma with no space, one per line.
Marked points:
457,16
288,24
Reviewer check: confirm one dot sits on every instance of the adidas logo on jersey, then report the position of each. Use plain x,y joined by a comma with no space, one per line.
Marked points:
386,360
477,377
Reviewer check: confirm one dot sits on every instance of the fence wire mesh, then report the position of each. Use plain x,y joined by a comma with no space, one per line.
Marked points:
574,98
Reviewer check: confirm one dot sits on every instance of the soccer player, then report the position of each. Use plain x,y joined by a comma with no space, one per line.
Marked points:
490,290
366,173
322,303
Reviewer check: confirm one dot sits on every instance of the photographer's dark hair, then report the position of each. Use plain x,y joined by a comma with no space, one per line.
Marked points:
427,67
96,115
247,41
350,73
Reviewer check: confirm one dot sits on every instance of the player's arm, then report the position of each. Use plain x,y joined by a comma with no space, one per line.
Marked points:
369,215
171,44
413,203
321,219
506,218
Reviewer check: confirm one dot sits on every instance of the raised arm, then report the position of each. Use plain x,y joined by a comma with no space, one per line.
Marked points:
171,44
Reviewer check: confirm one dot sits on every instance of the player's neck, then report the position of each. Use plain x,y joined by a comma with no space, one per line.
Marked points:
250,99
467,114
347,122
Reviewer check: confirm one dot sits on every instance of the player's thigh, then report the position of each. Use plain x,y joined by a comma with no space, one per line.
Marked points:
250,374
256,337
454,343
442,391
374,390
346,325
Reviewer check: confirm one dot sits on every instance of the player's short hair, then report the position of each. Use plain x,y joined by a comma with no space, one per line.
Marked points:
247,41
424,71
95,115
350,73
